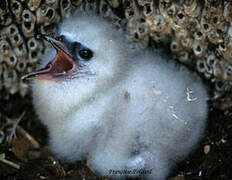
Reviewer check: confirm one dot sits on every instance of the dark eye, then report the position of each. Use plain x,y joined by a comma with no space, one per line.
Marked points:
86,54
60,38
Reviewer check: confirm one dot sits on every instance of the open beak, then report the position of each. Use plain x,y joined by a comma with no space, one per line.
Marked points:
62,65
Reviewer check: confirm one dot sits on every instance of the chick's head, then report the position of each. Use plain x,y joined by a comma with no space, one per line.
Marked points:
88,57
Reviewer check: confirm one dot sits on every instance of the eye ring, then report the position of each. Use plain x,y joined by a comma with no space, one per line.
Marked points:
86,54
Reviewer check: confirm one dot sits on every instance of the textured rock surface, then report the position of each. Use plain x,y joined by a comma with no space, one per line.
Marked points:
199,33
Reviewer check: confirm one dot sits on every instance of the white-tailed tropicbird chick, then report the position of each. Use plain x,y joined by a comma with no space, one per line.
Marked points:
132,113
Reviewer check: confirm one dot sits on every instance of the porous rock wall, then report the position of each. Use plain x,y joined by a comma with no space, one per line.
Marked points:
199,33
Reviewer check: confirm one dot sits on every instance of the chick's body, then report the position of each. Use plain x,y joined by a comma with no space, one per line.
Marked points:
127,111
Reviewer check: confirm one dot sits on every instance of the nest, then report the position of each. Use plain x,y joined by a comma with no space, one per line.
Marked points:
197,32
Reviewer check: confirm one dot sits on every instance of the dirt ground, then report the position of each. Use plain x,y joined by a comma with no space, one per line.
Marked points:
24,155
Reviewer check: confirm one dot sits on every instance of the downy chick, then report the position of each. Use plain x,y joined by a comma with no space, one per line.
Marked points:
132,113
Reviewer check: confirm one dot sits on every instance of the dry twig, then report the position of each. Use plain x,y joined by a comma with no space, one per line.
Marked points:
33,142
9,163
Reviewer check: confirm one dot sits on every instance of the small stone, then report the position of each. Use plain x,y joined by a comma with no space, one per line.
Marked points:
206,149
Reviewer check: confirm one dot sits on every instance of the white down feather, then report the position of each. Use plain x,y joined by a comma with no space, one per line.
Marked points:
126,111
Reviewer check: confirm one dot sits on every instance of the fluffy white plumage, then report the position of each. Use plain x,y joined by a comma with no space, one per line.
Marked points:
125,110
